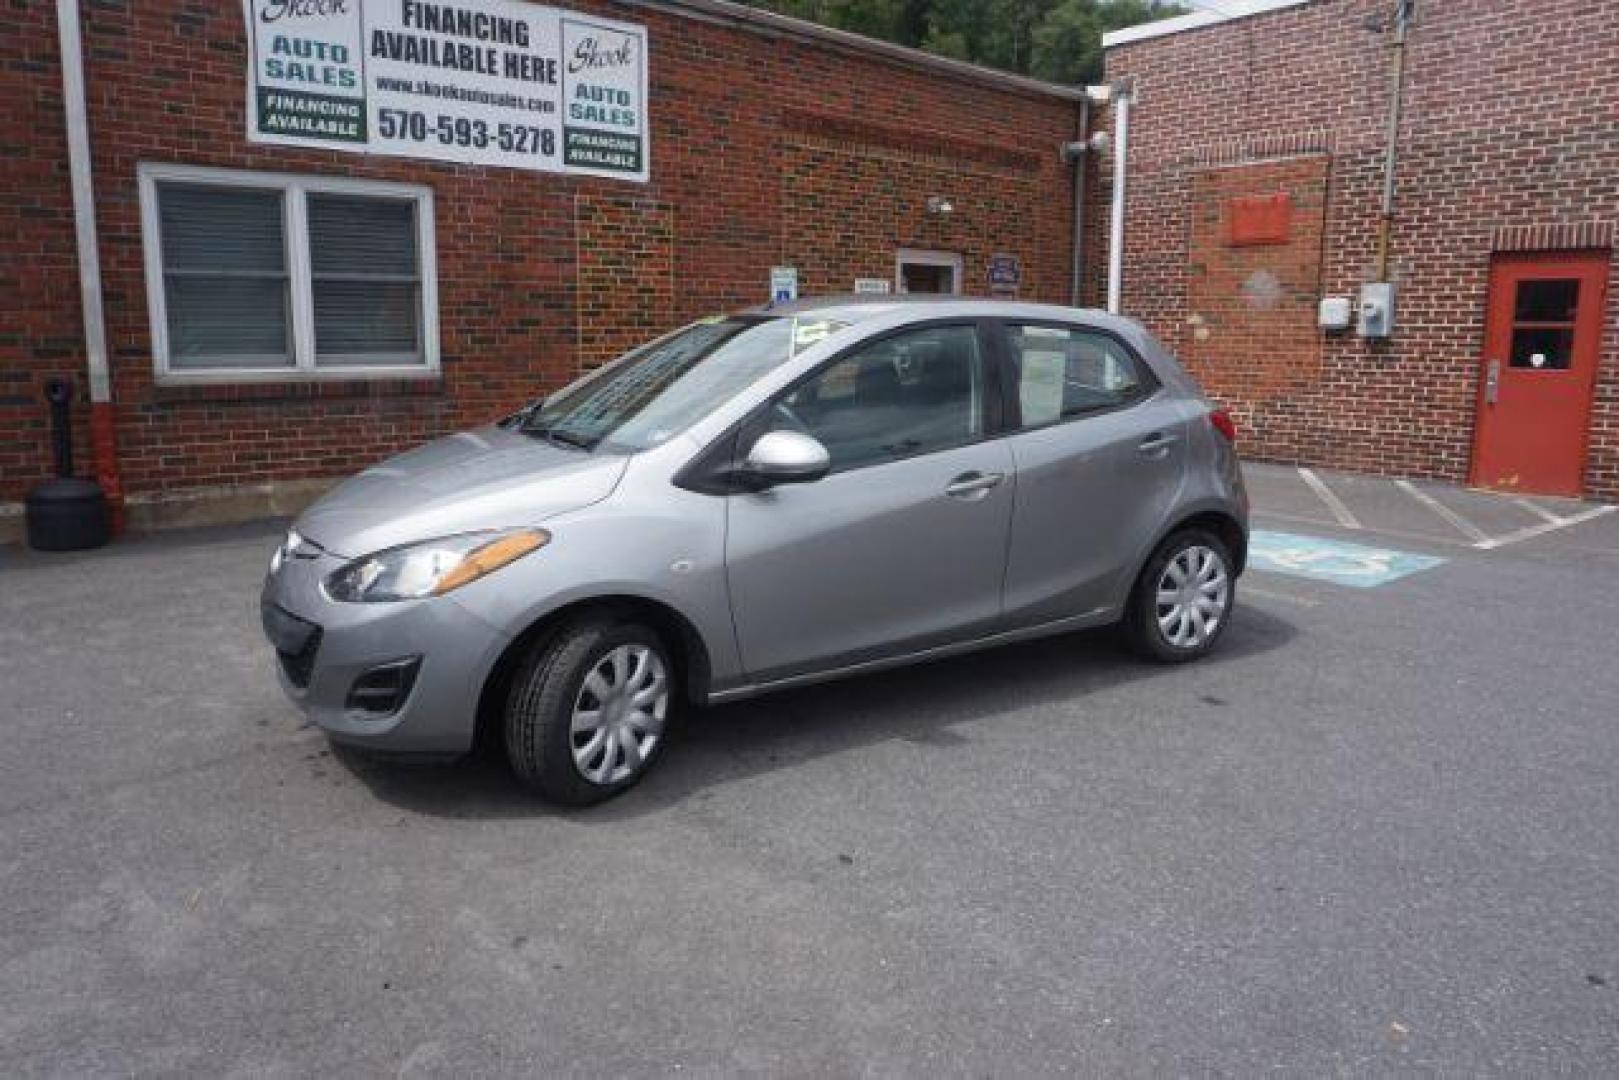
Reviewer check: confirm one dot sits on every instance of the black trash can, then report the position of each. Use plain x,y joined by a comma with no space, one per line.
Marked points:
66,514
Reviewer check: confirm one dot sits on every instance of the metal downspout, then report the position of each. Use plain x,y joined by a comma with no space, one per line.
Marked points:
102,430
1081,162
1123,98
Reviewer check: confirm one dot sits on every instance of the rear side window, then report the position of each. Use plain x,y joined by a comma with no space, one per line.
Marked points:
1065,372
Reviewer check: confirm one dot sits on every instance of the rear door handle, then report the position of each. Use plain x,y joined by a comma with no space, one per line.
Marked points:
973,485
1156,443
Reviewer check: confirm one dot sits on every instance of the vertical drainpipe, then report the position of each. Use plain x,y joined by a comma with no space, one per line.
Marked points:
102,441
1123,98
1075,154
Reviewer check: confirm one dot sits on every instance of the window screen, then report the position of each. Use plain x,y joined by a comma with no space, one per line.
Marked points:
1064,372
224,277
365,279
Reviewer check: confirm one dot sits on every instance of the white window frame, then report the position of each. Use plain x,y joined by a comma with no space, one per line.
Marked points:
294,189
919,257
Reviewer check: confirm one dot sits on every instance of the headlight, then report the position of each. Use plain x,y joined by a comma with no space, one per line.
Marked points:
432,567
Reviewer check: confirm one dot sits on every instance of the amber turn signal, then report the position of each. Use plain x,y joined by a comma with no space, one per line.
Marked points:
491,557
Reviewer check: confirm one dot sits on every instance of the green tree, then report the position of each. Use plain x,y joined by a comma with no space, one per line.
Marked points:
890,20
1059,40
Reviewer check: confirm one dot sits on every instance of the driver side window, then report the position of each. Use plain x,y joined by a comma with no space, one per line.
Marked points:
905,395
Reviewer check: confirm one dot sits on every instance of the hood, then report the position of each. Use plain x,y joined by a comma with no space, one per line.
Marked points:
488,478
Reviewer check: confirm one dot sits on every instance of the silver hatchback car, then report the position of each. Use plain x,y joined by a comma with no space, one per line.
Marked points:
753,502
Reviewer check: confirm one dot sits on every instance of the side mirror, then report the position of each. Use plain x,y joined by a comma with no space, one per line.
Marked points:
786,457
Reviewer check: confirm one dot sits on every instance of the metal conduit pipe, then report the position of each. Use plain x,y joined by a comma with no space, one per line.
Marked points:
1385,222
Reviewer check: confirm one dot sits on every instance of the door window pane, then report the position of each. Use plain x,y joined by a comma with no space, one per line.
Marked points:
909,394
1553,300
366,279
1542,348
1063,372
225,277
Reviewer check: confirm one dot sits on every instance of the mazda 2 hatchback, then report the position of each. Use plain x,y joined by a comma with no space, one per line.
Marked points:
795,493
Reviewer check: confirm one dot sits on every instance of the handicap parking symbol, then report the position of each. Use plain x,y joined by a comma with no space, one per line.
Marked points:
1356,565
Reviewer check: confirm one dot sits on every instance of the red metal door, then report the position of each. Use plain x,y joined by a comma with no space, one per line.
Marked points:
1542,335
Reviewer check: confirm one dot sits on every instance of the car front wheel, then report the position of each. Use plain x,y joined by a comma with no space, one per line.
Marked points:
1183,599
588,709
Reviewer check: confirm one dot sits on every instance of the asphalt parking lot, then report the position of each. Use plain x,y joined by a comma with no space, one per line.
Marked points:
1375,833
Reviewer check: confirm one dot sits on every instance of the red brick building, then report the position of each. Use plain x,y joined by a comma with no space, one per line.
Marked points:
279,314
1256,164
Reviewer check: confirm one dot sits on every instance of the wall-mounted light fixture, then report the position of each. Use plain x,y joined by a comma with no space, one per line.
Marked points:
940,206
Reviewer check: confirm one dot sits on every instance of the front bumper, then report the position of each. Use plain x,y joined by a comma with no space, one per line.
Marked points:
323,648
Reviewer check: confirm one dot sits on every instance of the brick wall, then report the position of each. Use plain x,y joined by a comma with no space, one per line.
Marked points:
1251,307
40,323
626,292
852,195
1509,131
521,299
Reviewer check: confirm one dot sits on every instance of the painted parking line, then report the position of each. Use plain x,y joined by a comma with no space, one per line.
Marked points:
1345,516
1357,565
1538,510
1468,529
1533,531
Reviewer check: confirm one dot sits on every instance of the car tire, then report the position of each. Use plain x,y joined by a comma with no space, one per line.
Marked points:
1183,600
589,710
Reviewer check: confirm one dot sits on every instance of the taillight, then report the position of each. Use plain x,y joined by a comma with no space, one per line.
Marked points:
1221,419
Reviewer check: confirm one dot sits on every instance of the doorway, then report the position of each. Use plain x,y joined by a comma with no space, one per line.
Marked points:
1542,337
927,272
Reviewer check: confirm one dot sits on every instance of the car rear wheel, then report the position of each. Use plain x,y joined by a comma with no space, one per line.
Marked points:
1183,599
588,710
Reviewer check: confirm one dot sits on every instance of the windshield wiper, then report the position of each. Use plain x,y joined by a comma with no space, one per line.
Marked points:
522,416
559,436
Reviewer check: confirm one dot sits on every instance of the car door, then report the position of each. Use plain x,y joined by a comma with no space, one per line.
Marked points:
903,544
1100,450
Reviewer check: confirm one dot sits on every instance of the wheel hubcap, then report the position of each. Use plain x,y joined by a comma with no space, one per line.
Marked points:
1193,594
619,713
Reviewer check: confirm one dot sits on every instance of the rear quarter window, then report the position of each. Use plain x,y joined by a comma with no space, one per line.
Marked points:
1067,372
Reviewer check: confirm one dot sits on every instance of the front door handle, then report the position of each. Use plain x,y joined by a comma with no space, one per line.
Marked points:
1156,443
973,485
1492,383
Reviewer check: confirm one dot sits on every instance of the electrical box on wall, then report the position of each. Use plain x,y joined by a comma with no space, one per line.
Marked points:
1376,309
1335,313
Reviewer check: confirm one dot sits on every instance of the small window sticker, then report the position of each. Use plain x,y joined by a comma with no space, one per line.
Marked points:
808,333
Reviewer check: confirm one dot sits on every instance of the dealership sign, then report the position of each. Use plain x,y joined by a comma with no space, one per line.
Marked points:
485,82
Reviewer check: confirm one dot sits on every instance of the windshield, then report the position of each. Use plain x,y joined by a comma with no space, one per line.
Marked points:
664,387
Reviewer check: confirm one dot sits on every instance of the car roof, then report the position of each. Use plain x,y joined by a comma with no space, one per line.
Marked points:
856,308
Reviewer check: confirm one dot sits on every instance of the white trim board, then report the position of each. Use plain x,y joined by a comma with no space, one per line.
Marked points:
1228,11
